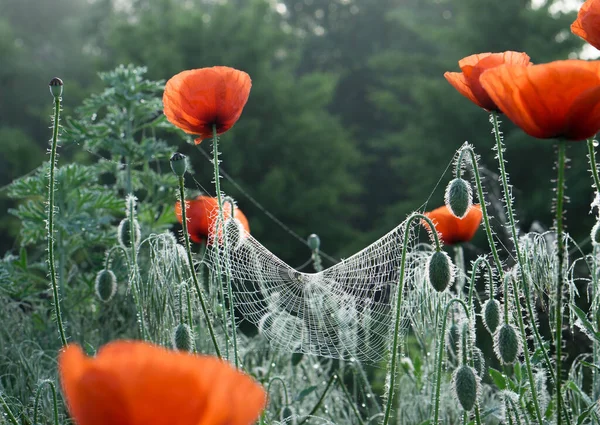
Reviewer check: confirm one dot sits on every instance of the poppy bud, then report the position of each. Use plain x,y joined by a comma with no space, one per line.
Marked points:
287,415
491,315
507,344
465,386
459,197
178,164
296,358
182,338
595,234
313,241
124,233
56,87
478,361
106,285
440,271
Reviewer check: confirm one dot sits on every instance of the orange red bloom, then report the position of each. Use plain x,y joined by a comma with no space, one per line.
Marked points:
196,100
554,100
467,82
587,24
202,214
454,230
137,383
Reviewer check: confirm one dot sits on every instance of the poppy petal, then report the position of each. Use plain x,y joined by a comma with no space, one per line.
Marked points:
459,82
587,24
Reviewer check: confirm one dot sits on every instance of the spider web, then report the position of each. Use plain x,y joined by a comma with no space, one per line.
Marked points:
345,311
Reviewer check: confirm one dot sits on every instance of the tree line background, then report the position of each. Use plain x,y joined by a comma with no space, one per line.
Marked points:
350,124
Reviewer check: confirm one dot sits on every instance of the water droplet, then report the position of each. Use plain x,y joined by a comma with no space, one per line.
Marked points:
595,143
94,116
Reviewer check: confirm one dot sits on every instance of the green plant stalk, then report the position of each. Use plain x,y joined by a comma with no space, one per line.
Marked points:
221,228
530,376
285,391
8,412
37,401
188,250
134,265
351,402
394,354
560,195
485,262
189,312
55,292
486,218
593,165
511,217
440,357
320,401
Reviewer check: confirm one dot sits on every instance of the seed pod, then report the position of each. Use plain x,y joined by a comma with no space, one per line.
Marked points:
178,164
440,271
465,385
313,242
183,339
106,285
459,197
478,362
491,315
56,87
124,233
507,344
595,234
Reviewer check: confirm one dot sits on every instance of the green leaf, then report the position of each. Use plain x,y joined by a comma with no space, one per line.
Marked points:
498,378
586,325
305,392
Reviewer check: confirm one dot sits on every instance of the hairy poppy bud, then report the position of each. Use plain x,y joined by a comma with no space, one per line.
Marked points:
491,315
452,338
440,271
459,197
106,285
124,233
478,361
314,242
178,164
56,87
287,415
507,344
182,338
465,386
595,234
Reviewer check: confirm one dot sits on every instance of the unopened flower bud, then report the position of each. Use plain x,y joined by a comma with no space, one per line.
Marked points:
440,271
178,164
182,338
105,285
507,344
314,243
124,233
465,386
459,197
56,87
491,315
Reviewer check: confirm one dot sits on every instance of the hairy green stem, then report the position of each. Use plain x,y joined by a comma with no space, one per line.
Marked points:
394,353
8,412
440,358
220,234
37,401
55,291
320,401
135,278
593,165
188,250
560,195
351,402
513,228
486,263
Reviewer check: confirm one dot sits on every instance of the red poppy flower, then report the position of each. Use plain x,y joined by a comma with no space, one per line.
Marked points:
467,82
454,230
196,100
587,24
137,383
554,100
202,213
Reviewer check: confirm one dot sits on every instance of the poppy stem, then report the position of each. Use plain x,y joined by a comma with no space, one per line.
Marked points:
558,315
391,370
220,230
38,393
135,272
593,166
513,228
440,355
50,228
320,401
188,250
